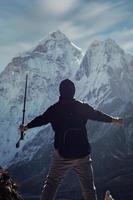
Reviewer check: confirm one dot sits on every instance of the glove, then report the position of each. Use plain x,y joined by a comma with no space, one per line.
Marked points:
118,121
23,128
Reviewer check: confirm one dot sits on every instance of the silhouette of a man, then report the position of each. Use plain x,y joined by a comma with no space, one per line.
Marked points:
70,114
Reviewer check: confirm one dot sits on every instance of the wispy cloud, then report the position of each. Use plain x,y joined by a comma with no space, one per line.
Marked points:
7,52
99,21
57,7
23,23
124,37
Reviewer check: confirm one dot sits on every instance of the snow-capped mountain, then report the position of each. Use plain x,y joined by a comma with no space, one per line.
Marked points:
103,78
107,74
54,59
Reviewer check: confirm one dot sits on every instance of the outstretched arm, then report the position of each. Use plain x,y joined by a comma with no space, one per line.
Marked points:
100,116
40,120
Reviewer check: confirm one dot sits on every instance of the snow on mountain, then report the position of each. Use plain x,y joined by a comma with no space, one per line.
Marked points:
52,60
103,78
106,73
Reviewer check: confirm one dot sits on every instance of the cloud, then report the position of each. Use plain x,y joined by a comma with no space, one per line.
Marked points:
7,52
23,23
57,7
124,37
101,16
99,21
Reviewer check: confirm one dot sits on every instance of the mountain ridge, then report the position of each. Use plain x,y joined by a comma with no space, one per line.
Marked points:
103,78
46,67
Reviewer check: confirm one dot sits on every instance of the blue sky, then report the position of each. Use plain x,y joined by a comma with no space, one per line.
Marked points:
25,22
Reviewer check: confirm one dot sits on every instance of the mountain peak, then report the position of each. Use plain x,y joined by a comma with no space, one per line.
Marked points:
95,43
103,61
51,40
106,43
111,42
56,35
108,46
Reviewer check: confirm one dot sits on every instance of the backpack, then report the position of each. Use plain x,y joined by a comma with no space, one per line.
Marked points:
73,141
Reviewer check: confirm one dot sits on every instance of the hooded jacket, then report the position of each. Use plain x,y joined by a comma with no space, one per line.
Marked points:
58,116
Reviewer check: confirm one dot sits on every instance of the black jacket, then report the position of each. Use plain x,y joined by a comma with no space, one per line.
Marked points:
59,117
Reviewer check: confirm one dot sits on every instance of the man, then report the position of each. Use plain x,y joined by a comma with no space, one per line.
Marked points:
68,118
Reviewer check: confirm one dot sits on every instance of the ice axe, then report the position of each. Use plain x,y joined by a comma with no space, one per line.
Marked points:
23,118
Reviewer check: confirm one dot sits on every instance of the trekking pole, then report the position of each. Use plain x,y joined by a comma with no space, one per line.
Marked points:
25,94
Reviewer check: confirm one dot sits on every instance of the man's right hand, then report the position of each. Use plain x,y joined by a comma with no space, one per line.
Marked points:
118,121
23,128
